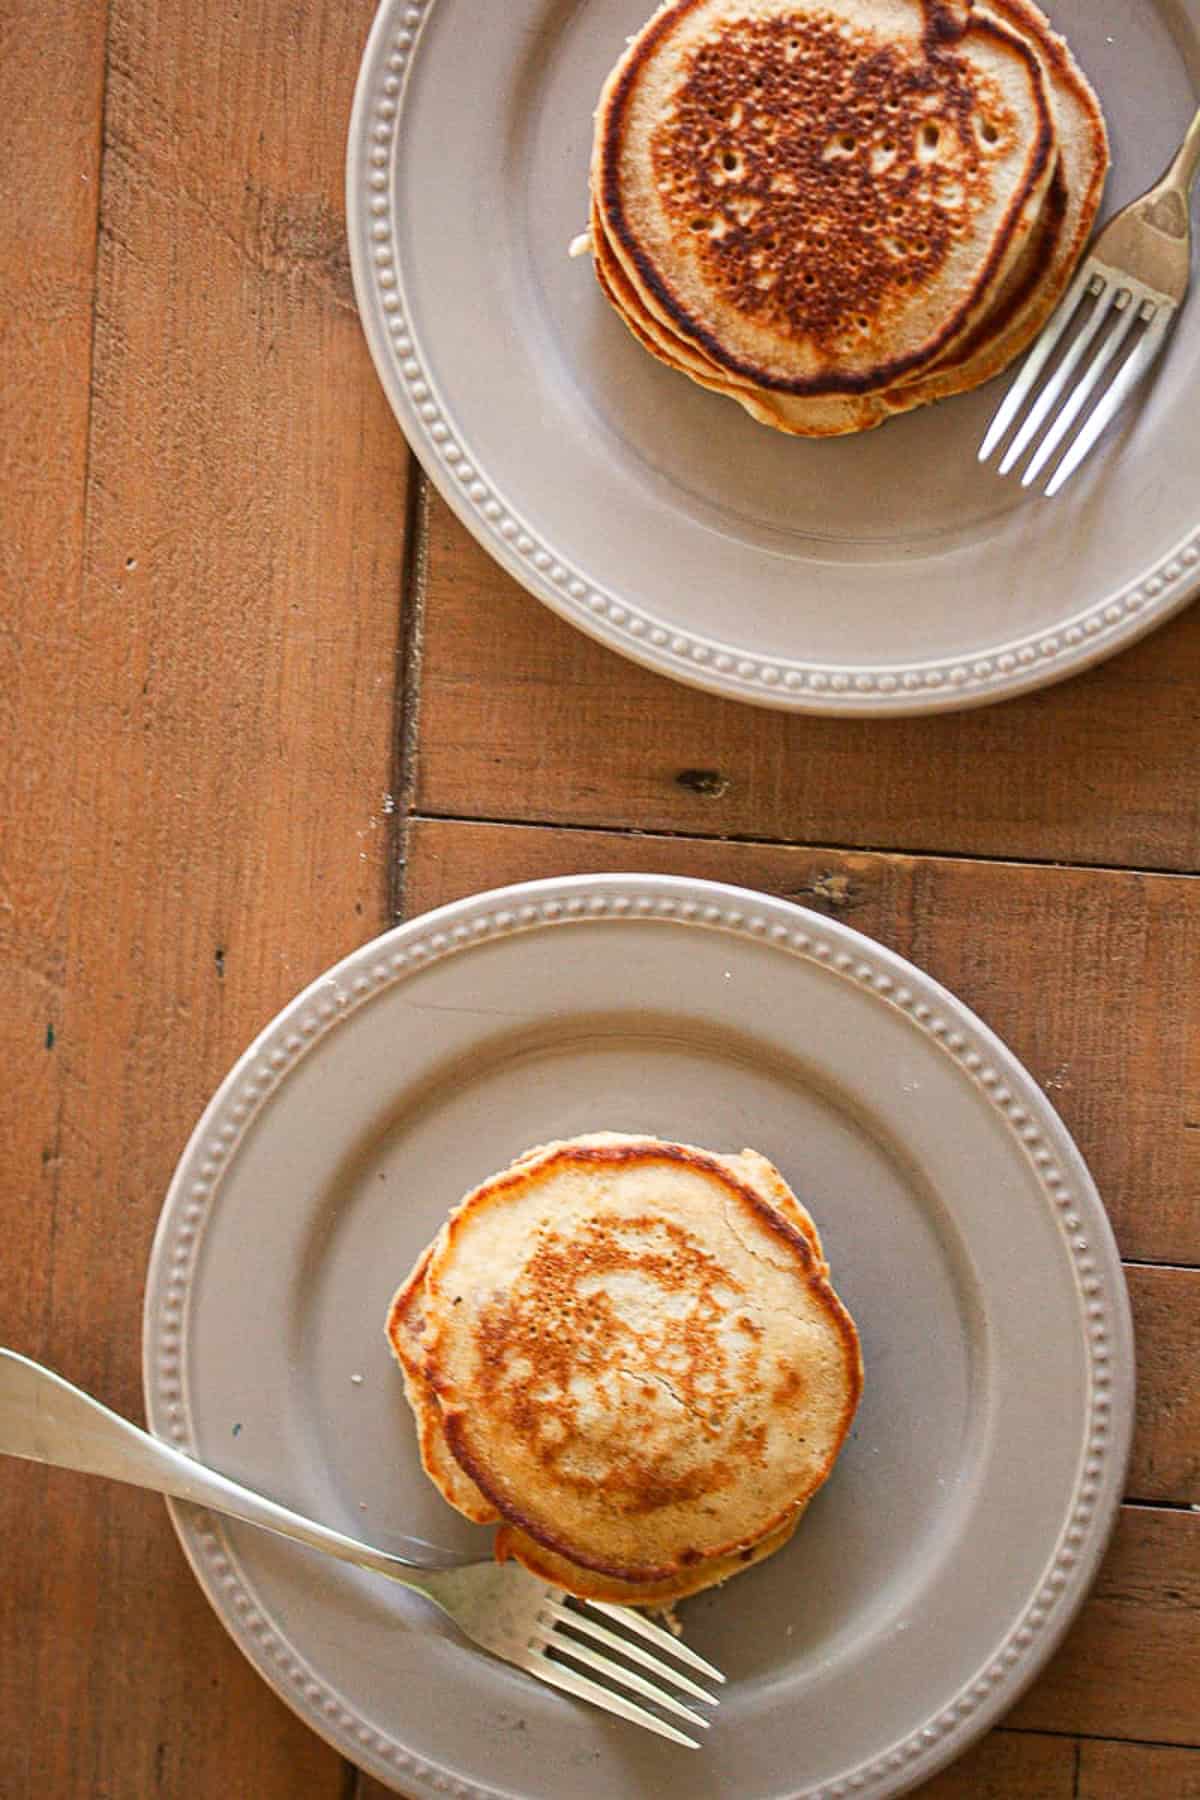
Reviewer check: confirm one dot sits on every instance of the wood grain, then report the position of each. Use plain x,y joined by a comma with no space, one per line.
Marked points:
51,81
215,701
1127,1668
1092,977
51,88
524,718
1008,1765
1165,1464
1149,1772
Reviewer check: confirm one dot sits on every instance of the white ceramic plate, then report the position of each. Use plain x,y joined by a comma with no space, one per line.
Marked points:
938,1568
881,574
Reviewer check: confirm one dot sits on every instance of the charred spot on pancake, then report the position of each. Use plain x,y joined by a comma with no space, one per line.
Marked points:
945,20
822,175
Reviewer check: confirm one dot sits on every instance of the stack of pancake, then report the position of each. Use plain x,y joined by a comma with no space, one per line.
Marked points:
837,210
627,1354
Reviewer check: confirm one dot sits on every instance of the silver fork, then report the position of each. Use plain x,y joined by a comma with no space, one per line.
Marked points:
1136,274
500,1607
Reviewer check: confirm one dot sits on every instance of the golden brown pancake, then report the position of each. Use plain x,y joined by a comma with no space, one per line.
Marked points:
638,1361
408,1329
821,196
825,415
1031,289
407,1325
1069,215
587,1584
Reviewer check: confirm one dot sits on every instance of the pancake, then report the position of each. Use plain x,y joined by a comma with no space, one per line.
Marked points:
1027,296
821,196
829,415
1069,215
638,1361
586,1584
407,1325
408,1328
746,1165
1015,317
769,1184
406,1331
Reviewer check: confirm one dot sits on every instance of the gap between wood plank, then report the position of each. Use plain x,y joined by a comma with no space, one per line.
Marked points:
1139,1262
413,585
1095,1737
829,848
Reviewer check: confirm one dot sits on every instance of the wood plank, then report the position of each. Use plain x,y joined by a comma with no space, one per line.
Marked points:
1093,978
1128,1666
1151,1772
51,82
221,736
1165,1464
51,89
1006,1765
524,718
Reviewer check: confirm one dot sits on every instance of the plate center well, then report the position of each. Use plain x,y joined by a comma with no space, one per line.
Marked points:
891,1243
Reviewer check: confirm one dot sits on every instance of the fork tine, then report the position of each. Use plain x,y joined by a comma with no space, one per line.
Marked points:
1085,387
1035,362
615,1671
1056,386
1107,409
578,1621
571,1683
634,1621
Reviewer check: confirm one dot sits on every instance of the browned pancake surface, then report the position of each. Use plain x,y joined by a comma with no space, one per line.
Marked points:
805,167
816,208
637,1359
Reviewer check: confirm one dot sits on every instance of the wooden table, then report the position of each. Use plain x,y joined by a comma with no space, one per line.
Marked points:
261,696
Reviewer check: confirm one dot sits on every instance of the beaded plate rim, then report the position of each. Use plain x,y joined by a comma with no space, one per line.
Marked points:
942,684
671,901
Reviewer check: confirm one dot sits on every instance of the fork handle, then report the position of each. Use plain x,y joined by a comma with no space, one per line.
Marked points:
44,1419
1182,172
